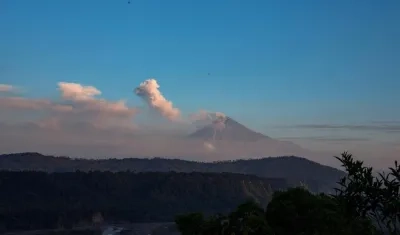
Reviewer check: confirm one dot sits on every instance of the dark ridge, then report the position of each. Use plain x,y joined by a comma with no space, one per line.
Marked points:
295,169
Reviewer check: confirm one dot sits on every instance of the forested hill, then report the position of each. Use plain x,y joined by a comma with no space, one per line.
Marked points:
295,169
33,200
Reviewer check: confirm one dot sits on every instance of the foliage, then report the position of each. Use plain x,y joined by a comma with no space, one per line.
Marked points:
247,219
364,204
39,200
370,197
191,224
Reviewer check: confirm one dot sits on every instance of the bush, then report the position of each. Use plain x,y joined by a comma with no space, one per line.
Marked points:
363,204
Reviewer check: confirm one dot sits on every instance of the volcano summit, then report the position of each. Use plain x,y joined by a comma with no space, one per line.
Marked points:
227,130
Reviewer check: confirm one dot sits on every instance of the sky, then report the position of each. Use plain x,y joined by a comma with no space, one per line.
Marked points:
322,74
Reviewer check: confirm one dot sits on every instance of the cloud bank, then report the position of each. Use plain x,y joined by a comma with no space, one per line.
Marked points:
376,126
80,122
6,88
78,106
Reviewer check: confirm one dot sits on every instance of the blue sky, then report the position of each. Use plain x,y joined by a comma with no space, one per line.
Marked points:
271,63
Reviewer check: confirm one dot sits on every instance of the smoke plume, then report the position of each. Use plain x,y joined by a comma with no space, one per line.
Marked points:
219,121
205,118
150,93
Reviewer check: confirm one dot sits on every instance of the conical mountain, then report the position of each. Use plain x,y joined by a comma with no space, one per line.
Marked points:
232,131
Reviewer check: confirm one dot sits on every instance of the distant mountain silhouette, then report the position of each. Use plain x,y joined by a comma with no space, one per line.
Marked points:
233,131
295,169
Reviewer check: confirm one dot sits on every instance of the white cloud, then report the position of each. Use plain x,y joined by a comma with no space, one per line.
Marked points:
78,105
6,88
77,92
85,100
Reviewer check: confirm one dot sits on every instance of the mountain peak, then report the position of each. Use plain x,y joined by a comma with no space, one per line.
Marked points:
227,129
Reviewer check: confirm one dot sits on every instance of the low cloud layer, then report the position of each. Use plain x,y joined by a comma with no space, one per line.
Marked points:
80,117
78,105
82,104
376,126
82,123
327,138
6,88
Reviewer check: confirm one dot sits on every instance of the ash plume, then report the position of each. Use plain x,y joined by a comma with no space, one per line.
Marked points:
219,121
150,93
216,120
200,119
205,118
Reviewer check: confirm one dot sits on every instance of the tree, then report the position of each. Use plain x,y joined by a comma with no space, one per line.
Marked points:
297,211
366,197
247,219
389,207
363,204
190,224
294,211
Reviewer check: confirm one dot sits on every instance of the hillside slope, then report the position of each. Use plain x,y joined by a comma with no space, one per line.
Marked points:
36,200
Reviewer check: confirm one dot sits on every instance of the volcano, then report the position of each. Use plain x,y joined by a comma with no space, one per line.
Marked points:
232,131
229,139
